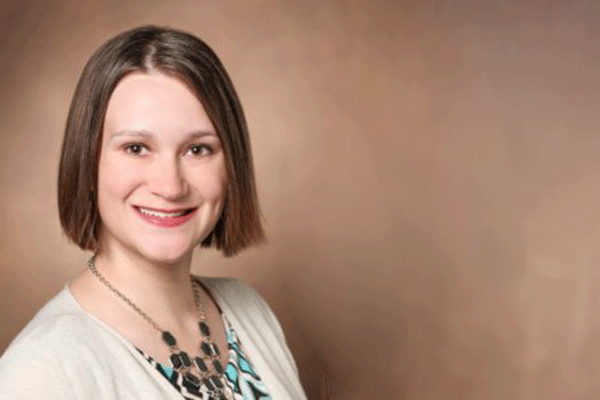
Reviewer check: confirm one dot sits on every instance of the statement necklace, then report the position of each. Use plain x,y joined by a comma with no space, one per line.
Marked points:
195,372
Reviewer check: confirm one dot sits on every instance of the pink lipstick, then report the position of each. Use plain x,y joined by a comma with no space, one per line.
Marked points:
165,218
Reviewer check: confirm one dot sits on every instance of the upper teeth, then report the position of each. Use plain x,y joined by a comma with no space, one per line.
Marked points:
160,213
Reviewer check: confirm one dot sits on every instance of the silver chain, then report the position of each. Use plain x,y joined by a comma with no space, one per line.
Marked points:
197,301
92,267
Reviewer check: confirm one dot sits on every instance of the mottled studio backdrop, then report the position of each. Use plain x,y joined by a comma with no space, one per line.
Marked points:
429,174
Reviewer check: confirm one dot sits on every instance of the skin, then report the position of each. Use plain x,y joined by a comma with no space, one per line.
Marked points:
159,151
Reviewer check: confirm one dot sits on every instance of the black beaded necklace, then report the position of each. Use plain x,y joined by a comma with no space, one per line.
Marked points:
195,371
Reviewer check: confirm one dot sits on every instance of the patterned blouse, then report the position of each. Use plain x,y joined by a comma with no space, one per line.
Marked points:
239,373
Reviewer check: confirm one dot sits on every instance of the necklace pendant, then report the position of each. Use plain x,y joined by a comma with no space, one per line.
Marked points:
180,360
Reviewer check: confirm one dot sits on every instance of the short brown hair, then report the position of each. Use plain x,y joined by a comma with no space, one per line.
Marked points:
179,54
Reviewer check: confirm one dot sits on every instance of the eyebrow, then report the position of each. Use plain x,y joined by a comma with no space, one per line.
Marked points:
144,133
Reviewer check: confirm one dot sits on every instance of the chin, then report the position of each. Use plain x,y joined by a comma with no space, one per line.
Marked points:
166,253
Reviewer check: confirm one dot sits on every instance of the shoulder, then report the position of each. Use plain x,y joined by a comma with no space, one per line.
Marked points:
231,288
242,302
239,297
256,325
60,322
45,349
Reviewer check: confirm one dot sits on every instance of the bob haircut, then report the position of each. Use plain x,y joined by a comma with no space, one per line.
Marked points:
183,56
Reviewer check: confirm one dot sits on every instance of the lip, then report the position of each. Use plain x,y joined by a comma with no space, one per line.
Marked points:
166,221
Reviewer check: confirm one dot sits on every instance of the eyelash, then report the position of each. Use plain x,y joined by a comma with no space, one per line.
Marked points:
201,147
129,148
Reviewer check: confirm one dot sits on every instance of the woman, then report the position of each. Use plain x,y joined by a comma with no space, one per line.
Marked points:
155,160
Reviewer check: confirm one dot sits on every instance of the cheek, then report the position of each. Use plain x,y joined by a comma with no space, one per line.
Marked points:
115,180
213,189
212,183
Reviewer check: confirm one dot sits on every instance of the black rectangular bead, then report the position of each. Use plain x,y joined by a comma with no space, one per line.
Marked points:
168,338
216,381
193,389
201,365
176,361
193,379
208,384
204,329
206,348
185,359
218,366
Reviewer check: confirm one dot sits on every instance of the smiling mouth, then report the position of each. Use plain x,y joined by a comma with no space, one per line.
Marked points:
163,213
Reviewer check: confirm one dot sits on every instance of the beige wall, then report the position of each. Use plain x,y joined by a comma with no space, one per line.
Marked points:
429,175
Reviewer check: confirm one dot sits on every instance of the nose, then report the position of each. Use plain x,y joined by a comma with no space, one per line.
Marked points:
167,180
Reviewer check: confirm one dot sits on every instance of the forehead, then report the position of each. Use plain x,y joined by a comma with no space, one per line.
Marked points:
155,102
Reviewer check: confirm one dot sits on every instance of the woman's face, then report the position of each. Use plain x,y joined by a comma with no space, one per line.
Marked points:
161,174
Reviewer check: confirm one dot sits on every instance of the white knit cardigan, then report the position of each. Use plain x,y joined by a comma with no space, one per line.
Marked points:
66,353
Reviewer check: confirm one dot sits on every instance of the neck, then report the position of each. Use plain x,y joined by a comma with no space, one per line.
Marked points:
162,290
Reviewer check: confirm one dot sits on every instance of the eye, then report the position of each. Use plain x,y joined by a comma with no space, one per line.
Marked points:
135,148
200,150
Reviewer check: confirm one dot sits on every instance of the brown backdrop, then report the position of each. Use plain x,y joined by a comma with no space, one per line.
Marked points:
429,175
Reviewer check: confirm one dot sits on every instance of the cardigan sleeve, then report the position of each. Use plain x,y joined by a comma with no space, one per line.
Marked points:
26,376
56,358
